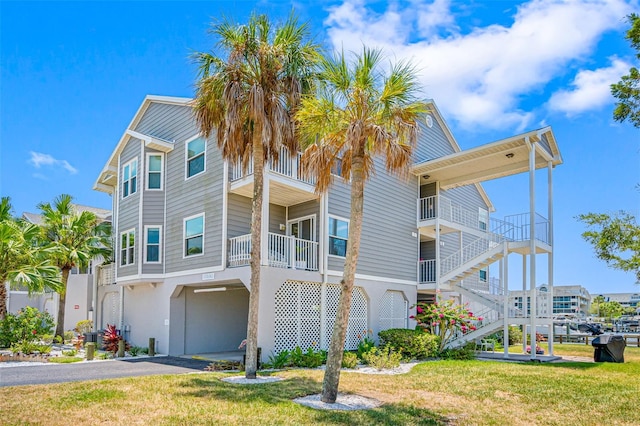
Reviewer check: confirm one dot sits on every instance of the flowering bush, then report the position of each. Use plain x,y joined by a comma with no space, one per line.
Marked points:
111,338
444,319
27,325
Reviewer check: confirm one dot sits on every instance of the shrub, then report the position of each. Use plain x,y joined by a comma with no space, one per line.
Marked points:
310,359
279,360
365,344
445,319
135,350
515,336
47,338
70,352
24,347
111,338
68,336
84,326
466,352
381,358
349,360
412,344
27,325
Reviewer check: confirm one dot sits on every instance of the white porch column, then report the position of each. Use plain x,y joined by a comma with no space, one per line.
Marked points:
525,303
264,229
532,242
437,241
550,255
504,279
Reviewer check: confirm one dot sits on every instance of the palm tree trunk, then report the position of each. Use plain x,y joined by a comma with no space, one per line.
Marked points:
62,303
3,298
251,361
339,334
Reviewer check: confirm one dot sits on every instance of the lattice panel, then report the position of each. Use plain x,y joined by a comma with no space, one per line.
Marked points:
111,309
393,310
297,315
358,324
299,307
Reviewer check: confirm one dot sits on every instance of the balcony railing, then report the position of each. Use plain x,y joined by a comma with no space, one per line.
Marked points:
513,227
286,165
284,252
446,209
427,271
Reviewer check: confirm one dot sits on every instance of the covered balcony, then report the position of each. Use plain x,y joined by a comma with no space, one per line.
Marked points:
283,180
284,252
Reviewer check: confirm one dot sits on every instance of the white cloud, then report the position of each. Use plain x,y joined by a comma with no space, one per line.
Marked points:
480,77
590,89
38,159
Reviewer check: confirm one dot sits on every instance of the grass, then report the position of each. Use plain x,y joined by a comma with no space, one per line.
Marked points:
433,393
64,359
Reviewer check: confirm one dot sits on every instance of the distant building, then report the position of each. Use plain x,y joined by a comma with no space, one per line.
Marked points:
627,300
568,300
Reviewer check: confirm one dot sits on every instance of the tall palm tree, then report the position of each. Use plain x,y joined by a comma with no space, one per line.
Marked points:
357,114
72,239
22,261
248,97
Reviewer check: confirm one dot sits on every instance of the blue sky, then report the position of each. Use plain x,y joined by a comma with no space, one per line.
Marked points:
74,73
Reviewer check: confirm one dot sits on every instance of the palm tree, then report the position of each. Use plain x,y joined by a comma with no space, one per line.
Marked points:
72,239
22,262
358,114
248,97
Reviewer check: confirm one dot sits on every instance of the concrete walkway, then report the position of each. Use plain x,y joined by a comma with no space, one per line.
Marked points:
96,370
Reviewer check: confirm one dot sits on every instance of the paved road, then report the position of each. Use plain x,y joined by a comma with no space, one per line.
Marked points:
92,370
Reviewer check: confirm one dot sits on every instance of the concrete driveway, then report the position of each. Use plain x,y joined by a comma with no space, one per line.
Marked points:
96,370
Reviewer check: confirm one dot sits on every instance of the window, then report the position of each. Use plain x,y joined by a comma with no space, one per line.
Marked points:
483,275
193,235
154,171
336,167
195,157
338,235
483,218
152,244
127,247
130,178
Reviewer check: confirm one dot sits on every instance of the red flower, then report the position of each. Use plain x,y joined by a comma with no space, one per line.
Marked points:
34,332
419,310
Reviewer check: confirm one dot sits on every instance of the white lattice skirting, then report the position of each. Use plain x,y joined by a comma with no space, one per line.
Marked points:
305,313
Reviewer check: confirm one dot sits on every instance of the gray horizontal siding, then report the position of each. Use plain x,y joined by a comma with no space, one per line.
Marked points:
238,215
277,216
388,248
169,122
467,195
432,142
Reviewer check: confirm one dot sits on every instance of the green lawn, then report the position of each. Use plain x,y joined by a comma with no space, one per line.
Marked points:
435,392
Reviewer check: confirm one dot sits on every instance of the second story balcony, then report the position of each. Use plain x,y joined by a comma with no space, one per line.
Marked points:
286,187
284,252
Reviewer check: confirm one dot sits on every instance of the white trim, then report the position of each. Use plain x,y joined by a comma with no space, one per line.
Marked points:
313,218
225,203
128,182
147,171
184,235
146,244
186,156
329,217
139,277
374,278
128,231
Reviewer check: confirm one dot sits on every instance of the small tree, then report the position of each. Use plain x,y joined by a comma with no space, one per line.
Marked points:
615,239
445,319
627,90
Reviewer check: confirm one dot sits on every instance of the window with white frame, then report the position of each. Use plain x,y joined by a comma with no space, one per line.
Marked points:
130,178
194,235
154,171
483,218
338,235
153,236
195,157
127,247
